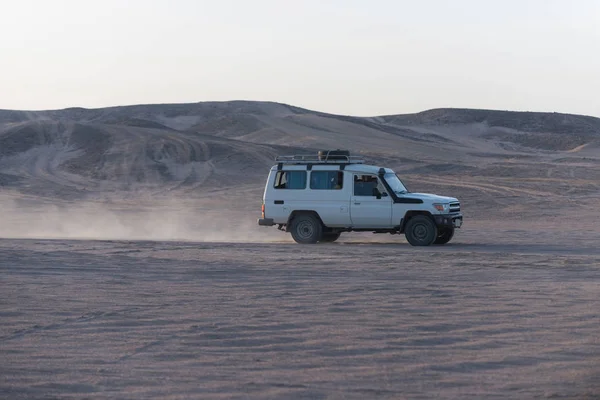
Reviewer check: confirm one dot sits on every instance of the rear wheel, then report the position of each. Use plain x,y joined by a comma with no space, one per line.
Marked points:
306,229
420,230
330,237
444,236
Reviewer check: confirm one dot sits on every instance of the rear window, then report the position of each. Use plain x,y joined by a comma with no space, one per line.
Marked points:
290,180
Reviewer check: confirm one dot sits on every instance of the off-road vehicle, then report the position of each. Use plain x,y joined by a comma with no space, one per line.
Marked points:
316,197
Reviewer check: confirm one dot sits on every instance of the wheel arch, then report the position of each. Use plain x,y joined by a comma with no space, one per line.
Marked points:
412,213
295,213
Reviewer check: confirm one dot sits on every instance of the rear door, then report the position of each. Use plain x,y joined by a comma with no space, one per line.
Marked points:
287,187
366,210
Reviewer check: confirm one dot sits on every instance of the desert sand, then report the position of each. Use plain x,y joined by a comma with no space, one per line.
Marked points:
132,266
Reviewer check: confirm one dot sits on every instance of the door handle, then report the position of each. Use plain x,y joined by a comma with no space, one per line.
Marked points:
356,202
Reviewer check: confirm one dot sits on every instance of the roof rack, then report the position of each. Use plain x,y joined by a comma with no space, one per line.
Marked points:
316,159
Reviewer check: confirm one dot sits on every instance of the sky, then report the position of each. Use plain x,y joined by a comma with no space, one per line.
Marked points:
351,57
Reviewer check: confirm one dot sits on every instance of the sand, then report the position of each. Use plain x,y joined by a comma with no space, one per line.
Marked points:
132,266
139,319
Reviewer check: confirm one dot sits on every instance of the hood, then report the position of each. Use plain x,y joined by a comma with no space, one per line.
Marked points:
431,198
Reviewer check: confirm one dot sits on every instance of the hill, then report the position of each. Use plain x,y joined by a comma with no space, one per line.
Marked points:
215,155
212,143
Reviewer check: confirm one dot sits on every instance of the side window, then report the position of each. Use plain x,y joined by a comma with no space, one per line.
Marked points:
290,180
327,180
364,185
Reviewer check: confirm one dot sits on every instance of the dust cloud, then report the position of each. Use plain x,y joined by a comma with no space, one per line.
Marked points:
159,220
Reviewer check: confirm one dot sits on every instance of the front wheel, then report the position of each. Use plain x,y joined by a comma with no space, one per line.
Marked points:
420,230
306,229
444,236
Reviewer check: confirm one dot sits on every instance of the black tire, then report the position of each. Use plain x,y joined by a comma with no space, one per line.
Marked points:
329,237
306,229
420,230
444,236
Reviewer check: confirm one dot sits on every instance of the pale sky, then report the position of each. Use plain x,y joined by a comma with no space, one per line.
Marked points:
356,57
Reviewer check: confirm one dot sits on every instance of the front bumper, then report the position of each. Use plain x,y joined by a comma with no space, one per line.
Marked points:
448,220
266,222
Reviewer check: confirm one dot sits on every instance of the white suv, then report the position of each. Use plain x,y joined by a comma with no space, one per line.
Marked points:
316,197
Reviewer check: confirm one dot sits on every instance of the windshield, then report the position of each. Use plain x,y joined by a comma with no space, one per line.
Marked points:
395,183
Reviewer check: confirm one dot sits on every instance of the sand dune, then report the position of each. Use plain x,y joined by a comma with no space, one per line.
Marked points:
208,145
533,162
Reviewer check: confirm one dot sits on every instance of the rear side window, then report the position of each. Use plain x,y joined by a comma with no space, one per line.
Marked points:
290,180
327,180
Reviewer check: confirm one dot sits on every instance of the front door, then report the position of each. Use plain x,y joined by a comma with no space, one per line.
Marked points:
366,209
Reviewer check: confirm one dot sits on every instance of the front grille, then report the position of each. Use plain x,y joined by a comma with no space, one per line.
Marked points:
454,207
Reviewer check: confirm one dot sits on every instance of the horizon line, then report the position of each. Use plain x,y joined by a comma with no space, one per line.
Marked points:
289,105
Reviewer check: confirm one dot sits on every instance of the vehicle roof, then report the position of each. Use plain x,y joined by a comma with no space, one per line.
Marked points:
365,168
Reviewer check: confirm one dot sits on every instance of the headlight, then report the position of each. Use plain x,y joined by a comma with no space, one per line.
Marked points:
441,207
